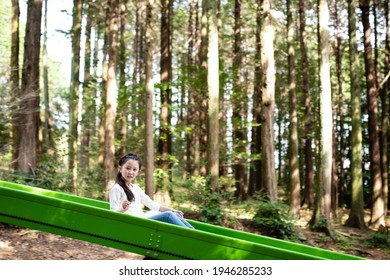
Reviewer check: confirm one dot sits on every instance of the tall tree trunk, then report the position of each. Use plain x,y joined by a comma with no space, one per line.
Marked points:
377,213
213,98
165,137
202,96
239,159
46,125
111,95
339,199
74,92
385,96
323,205
338,122
103,96
149,155
28,120
14,81
293,128
135,62
255,173
268,103
356,215
94,81
192,114
309,170
88,101
123,93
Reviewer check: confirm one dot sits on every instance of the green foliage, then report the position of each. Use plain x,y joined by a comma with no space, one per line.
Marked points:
210,209
208,202
274,220
52,175
321,225
380,239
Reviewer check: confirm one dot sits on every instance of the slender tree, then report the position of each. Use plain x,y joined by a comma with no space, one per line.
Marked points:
123,93
28,120
74,93
293,127
323,199
356,215
202,97
309,169
213,98
149,154
137,62
112,89
103,85
87,101
165,137
46,124
192,114
377,211
338,122
239,160
255,173
14,79
385,96
268,103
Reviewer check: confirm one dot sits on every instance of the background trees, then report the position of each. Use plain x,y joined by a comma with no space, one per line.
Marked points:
215,95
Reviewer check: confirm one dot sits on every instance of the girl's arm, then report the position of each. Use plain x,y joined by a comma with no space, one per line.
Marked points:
165,208
116,201
155,206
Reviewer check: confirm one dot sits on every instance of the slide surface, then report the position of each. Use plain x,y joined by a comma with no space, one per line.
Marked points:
91,220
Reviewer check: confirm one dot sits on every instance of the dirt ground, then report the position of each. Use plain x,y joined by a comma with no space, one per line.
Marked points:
25,244
346,240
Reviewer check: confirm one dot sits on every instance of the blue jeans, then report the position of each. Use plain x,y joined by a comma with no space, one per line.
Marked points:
171,218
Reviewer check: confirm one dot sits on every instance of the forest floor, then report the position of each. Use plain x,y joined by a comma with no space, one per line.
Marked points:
18,243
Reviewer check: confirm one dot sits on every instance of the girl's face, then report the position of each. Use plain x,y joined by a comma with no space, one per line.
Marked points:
129,170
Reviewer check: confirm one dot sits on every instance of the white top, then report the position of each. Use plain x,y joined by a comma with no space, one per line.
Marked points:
117,195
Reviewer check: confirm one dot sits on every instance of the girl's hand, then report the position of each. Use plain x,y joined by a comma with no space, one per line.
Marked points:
125,204
178,212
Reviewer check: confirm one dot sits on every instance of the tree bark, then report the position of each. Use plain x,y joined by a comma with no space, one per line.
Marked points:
103,96
149,154
295,197
268,103
356,214
309,170
88,100
28,119
112,89
123,93
46,123
377,213
213,98
14,81
165,137
255,173
202,98
239,160
74,93
323,205
385,96
192,114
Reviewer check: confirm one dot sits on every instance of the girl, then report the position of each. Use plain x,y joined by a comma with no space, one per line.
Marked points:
126,197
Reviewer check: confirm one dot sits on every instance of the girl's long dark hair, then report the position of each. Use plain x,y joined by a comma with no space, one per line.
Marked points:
119,178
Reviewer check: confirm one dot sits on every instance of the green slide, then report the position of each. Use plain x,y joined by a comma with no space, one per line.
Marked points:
91,220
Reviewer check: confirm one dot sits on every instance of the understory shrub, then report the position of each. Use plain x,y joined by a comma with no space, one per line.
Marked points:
380,239
274,220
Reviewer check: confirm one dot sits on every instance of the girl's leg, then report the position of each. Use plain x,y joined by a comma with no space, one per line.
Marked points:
172,218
